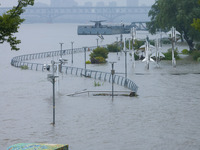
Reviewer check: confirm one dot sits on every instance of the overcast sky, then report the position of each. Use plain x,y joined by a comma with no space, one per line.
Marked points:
7,3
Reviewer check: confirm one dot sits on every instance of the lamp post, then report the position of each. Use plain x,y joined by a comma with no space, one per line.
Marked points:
129,44
133,34
97,42
85,58
117,44
157,51
72,51
125,52
61,49
51,78
173,38
112,73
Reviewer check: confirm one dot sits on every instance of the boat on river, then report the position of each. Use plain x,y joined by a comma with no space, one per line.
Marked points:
99,29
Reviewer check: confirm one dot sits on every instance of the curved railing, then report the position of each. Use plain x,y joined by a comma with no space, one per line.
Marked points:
20,61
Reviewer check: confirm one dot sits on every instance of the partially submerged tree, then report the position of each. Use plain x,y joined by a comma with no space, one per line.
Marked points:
178,13
99,55
10,22
196,21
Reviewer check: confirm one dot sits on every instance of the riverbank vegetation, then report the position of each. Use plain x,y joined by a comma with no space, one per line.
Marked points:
10,22
24,67
196,55
99,55
178,13
113,47
168,55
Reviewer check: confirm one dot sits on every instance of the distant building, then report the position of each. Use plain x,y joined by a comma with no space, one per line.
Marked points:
63,3
112,4
100,4
88,4
132,3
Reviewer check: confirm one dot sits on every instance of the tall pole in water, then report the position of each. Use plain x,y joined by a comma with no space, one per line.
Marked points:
133,34
85,59
72,51
125,51
97,42
54,112
117,44
112,73
51,78
61,49
129,43
173,45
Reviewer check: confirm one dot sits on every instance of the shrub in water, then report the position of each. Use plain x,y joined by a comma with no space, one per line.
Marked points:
168,54
185,51
165,41
138,44
88,62
99,55
197,46
196,54
25,67
136,56
98,60
113,48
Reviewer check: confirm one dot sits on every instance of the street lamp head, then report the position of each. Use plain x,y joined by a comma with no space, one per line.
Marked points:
112,62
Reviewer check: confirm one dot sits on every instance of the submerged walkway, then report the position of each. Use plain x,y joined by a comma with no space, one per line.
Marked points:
24,60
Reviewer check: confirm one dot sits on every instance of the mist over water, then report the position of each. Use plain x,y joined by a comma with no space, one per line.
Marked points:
165,115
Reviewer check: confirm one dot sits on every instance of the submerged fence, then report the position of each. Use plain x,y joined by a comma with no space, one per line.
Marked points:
21,61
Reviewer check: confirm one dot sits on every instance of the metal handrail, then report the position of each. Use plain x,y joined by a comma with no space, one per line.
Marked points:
21,60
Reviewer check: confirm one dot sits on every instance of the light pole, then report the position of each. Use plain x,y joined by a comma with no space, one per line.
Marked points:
72,51
133,34
85,59
51,78
61,49
117,44
112,73
97,42
129,43
125,51
173,45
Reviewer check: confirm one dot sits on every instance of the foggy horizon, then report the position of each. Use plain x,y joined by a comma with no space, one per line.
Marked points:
11,3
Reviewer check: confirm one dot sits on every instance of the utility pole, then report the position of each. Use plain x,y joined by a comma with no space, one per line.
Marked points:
72,51
51,78
133,34
173,38
112,73
61,49
85,59
125,51
97,42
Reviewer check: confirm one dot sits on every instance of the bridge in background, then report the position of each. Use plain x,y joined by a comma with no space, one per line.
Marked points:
108,13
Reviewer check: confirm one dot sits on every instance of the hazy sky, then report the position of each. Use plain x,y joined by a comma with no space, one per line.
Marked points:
6,3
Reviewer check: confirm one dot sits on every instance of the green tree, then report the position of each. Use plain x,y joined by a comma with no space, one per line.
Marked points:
10,22
178,13
113,48
99,55
196,22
